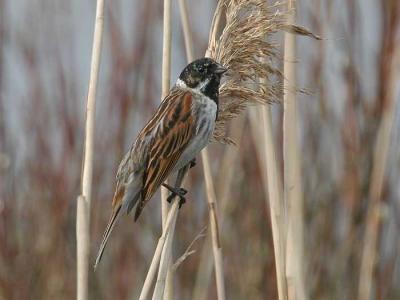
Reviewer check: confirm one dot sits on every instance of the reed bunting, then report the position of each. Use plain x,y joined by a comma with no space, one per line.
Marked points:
178,131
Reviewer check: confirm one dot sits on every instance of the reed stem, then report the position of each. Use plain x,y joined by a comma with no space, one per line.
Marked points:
83,201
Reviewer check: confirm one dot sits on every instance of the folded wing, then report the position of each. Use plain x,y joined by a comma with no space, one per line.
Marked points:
172,134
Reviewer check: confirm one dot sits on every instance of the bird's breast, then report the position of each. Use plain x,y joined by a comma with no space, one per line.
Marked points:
204,111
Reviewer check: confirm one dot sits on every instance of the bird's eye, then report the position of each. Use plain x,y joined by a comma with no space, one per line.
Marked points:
201,69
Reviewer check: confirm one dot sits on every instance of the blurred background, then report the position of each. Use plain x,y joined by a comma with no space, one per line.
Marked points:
45,48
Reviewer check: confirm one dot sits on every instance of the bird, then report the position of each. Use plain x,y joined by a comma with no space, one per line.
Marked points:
180,128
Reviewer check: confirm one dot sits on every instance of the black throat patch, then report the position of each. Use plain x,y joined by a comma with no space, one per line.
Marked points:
211,90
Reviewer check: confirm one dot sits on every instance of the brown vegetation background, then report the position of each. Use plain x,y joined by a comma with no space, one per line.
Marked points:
44,68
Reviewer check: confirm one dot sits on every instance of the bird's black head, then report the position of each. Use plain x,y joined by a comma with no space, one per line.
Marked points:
203,75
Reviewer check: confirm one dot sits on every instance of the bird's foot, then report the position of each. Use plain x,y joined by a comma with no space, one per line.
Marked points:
180,192
192,163
182,200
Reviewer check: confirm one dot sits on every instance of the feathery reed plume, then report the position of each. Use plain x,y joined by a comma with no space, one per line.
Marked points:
244,47
83,201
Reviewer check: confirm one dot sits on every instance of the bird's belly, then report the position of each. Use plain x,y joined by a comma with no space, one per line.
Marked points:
205,128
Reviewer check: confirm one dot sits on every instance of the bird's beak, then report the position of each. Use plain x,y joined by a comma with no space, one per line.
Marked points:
220,69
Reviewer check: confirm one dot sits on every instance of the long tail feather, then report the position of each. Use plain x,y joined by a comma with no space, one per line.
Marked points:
106,235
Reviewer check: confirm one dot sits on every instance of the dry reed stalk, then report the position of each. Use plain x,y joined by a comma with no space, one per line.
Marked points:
374,212
273,188
166,74
165,268
244,49
171,217
293,193
165,264
228,169
215,238
189,250
186,30
217,249
83,201
82,247
167,230
276,204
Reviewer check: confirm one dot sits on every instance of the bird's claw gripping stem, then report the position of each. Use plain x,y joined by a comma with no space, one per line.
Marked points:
180,192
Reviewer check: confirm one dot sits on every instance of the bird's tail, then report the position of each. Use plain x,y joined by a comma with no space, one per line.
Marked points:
107,232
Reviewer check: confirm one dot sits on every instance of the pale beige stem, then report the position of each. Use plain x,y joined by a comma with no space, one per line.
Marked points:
187,34
83,205
168,293
276,204
169,287
214,28
165,263
163,249
228,167
293,193
82,239
166,71
211,198
217,249
381,151
273,188
166,74
171,219
215,238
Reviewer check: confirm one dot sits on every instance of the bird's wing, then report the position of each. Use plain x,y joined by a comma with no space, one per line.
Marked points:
174,128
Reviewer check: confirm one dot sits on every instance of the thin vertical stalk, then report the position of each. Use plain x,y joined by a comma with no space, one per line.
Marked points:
186,30
211,198
215,238
171,218
276,206
82,247
168,229
228,166
212,39
166,74
83,201
168,293
165,263
293,193
273,188
373,218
